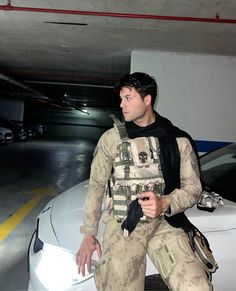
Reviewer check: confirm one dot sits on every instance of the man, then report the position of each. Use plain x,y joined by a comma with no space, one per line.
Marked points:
150,161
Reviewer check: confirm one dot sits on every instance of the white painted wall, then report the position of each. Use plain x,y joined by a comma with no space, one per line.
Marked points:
196,92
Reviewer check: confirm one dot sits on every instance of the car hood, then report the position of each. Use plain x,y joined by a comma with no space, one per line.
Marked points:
221,219
67,217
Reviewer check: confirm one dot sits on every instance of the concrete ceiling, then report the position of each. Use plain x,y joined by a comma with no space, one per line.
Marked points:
79,42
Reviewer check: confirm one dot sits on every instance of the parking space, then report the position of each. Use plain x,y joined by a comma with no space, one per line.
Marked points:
32,173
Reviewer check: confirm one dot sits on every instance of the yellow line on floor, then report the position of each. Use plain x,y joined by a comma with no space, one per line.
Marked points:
10,224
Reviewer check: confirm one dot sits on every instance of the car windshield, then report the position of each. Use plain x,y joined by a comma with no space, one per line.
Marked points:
218,171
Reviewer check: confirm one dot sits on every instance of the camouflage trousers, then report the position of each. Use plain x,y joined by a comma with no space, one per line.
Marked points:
122,266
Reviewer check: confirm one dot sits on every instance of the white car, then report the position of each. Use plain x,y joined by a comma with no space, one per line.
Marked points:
6,135
57,238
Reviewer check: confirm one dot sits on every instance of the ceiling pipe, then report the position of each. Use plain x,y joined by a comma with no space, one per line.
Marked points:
217,19
70,84
12,81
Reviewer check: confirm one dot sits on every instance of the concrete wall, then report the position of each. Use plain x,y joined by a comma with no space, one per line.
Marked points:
197,92
12,109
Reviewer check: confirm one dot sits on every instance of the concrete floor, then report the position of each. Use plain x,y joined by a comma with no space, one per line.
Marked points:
27,168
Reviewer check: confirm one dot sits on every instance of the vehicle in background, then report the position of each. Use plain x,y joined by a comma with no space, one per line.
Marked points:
19,132
35,129
57,237
6,135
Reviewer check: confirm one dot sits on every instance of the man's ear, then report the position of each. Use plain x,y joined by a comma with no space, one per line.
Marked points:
148,99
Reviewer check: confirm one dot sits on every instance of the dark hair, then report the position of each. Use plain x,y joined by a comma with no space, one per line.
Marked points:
141,82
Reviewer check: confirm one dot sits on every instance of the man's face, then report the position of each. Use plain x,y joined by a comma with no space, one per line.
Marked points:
132,104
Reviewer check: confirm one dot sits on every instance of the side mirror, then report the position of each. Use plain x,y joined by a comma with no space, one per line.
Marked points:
209,201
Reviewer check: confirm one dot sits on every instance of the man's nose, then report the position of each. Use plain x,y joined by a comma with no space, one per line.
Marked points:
122,103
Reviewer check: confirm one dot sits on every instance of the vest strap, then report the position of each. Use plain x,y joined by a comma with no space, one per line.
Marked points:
124,137
121,127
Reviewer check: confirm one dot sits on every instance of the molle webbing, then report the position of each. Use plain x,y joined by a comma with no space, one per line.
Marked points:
124,137
136,169
125,194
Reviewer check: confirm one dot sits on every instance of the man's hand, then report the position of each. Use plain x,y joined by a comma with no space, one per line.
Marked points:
151,204
85,252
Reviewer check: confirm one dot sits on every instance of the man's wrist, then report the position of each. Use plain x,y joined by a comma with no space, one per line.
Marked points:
166,206
89,237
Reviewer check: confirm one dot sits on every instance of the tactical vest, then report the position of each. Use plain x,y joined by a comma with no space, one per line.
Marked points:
137,169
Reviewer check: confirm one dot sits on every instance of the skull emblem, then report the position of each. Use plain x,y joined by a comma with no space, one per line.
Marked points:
142,157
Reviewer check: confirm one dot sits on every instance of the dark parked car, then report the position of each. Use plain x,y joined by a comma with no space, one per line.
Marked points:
19,132
35,129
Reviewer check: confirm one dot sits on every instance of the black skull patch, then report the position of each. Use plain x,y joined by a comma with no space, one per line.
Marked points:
143,157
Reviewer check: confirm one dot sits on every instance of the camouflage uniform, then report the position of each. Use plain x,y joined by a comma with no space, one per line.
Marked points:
123,262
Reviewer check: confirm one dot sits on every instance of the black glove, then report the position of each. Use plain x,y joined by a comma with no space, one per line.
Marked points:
134,214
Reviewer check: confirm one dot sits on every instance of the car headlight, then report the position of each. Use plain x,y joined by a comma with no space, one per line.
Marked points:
57,269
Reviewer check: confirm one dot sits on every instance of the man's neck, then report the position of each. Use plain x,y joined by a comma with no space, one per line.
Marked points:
146,120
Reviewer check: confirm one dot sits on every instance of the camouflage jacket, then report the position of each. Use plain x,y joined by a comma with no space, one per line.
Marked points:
103,161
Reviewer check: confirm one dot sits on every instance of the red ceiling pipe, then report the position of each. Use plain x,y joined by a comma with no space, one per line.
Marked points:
217,19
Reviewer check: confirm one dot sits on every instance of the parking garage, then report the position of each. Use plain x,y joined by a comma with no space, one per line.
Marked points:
58,69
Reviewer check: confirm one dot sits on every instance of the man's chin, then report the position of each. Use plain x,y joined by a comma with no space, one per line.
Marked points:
126,117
